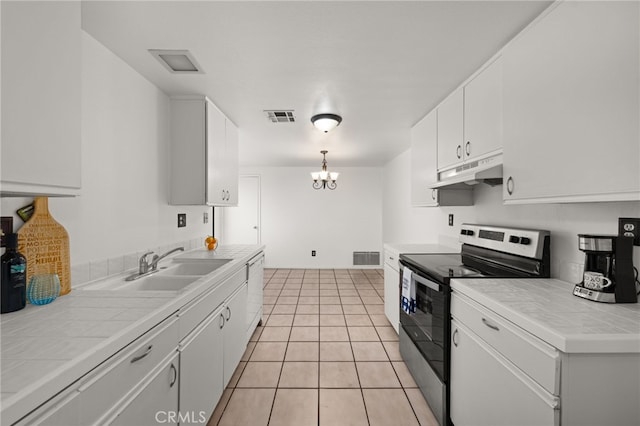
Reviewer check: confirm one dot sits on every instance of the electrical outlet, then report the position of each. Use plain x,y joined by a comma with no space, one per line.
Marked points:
629,227
313,253
7,228
205,217
451,220
182,220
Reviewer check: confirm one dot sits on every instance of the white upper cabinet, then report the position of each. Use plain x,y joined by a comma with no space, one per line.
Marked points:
41,98
571,114
424,153
483,112
450,130
470,119
424,140
204,154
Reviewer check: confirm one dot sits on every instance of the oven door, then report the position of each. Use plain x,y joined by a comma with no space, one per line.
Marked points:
428,327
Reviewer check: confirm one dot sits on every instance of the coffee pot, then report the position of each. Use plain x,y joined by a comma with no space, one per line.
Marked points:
608,269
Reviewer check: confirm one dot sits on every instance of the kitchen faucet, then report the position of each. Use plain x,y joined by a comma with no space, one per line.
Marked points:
154,262
145,268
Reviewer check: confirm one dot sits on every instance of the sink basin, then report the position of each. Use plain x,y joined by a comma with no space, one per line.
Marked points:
157,283
198,267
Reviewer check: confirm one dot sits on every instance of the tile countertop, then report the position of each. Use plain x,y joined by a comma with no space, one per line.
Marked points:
46,348
548,309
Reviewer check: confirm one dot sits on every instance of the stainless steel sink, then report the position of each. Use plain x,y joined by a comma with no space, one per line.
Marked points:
158,283
175,276
194,267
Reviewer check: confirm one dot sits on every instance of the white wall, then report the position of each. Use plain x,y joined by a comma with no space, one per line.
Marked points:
403,223
123,206
297,218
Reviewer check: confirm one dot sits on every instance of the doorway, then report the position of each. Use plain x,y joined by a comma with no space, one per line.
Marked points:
241,224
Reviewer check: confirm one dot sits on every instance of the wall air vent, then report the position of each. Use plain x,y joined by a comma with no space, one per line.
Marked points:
366,258
280,116
177,61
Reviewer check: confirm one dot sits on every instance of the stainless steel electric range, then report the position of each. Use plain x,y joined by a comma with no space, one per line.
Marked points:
487,251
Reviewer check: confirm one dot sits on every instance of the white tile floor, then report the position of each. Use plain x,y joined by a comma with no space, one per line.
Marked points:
325,355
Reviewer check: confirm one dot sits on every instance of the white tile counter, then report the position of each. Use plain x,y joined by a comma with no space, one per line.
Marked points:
547,309
46,348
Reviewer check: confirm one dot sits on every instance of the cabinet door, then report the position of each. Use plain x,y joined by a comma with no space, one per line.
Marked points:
216,164
483,112
486,389
231,164
424,149
235,331
41,75
254,293
450,130
201,366
156,402
392,295
571,108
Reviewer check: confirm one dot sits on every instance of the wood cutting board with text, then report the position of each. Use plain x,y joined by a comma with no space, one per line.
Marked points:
45,244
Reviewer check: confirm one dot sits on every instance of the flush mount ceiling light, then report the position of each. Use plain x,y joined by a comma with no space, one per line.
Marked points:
326,122
323,179
177,61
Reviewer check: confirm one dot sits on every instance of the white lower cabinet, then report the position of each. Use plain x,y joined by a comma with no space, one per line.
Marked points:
392,288
210,354
235,332
487,389
201,366
255,278
155,400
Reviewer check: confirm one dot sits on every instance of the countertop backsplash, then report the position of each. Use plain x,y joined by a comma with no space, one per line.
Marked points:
103,268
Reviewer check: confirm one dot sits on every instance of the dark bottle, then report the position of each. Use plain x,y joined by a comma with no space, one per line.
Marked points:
14,277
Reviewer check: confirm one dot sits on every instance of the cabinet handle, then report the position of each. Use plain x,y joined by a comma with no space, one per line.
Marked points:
175,375
433,194
459,151
223,195
139,357
467,148
229,311
510,185
221,322
453,338
488,324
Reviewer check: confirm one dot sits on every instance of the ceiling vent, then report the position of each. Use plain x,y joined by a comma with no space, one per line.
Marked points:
280,116
177,61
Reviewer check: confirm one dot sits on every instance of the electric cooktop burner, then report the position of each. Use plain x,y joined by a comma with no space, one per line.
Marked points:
442,266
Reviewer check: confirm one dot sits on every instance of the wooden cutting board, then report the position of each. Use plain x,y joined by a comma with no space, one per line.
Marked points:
45,244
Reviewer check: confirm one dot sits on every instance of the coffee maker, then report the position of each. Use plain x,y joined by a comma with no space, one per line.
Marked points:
608,269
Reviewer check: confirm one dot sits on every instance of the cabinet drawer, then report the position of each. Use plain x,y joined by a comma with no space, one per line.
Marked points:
391,258
109,383
196,311
533,356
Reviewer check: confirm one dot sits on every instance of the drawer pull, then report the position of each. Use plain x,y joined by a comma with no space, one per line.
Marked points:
175,375
488,324
139,357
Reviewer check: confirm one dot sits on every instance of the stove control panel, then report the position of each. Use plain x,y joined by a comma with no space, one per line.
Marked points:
523,242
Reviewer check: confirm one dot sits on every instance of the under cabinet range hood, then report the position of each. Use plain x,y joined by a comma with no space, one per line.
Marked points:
487,170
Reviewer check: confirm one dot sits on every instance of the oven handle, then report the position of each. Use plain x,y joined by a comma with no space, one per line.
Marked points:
427,282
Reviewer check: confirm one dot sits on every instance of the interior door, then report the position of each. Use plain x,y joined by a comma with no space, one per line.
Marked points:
241,224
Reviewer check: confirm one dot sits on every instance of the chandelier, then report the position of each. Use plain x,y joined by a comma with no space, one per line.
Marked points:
324,179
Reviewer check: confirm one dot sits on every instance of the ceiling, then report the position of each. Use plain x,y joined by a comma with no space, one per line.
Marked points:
381,65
